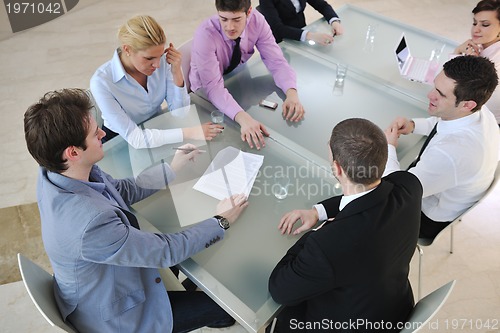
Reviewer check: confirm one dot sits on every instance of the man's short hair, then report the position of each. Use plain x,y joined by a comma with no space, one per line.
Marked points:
360,147
476,79
59,120
233,5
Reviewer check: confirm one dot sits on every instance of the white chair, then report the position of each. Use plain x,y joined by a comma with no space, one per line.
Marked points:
39,284
185,50
427,307
422,242
96,112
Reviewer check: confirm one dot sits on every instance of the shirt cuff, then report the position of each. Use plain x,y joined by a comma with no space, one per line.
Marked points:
322,216
304,35
333,19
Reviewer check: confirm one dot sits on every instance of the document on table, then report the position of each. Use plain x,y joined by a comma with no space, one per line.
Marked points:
231,172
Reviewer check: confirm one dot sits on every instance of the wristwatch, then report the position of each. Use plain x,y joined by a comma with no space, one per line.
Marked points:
223,222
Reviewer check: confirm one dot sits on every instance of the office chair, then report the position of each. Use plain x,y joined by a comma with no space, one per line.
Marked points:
185,50
429,241
39,284
427,307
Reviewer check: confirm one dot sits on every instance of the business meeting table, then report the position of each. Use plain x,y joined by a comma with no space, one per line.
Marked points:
235,271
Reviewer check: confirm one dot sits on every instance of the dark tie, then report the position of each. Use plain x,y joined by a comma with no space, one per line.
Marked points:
236,57
429,137
131,218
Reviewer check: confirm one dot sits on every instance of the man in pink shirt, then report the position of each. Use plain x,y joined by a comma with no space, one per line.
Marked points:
211,55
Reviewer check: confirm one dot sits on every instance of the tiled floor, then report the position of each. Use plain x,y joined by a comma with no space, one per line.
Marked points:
65,53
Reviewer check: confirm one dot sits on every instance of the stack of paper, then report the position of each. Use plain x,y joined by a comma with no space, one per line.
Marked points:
231,172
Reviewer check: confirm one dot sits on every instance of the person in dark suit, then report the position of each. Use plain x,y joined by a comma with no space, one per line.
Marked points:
286,18
350,273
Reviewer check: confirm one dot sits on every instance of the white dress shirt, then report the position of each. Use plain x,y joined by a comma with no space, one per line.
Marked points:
344,201
124,103
458,164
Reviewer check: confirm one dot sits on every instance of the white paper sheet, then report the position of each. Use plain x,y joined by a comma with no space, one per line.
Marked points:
231,172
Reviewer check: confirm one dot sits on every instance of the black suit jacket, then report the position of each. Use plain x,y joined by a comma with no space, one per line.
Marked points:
355,267
285,22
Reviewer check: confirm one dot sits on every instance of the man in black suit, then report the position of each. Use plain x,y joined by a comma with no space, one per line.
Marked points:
350,274
286,18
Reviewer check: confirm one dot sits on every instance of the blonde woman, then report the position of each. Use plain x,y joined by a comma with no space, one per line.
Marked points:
485,42
130,88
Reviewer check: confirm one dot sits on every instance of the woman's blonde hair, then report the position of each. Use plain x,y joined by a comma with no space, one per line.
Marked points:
141,32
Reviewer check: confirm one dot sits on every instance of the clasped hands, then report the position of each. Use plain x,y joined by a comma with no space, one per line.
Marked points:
325,38
469,48
396,128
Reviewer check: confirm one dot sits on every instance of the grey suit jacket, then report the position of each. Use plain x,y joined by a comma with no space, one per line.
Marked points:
106,277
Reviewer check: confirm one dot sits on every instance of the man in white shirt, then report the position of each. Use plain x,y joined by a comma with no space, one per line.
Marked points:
457,165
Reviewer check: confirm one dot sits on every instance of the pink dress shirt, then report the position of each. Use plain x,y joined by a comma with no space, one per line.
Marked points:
211,54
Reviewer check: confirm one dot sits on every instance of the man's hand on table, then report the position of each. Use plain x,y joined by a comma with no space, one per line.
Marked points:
292,108
252,131
232,207
308,218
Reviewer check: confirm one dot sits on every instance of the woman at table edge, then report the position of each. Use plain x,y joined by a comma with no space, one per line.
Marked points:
130,88
485,42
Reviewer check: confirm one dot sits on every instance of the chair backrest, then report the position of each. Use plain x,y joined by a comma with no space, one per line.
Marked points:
96,112
185,50
429,241
40,286
427,307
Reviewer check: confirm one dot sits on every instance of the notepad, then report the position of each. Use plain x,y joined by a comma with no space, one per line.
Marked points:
232,171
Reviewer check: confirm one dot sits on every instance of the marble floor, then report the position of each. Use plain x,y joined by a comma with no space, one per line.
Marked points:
65,53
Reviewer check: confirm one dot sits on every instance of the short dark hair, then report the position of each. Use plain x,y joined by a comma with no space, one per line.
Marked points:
488,5
59,120
476,79
360,147
233,5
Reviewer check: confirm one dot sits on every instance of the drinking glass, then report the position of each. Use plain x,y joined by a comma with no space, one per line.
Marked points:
280,187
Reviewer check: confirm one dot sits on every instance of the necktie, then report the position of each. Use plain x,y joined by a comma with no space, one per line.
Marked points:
131,218
235,58
429,137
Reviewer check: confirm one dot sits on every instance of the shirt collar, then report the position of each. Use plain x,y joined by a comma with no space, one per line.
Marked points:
117,67
346,199
448,126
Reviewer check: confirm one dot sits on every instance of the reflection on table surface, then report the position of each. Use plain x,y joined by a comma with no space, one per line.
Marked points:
235,272
368,46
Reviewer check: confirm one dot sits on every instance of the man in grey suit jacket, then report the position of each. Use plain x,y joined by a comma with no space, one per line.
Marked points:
105,269
350,274
287,19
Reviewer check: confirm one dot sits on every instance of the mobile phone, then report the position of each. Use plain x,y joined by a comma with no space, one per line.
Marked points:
268,104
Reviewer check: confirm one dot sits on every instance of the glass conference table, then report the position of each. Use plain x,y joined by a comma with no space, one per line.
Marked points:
235,272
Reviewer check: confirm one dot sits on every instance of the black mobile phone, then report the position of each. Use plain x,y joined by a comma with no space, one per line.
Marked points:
268,104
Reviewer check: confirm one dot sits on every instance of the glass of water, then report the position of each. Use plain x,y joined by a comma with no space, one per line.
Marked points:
280,187
341,74
217,117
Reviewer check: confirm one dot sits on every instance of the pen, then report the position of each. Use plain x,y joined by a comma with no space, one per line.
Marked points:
190,149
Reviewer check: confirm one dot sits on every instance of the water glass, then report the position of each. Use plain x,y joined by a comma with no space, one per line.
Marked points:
370,38
217,117
341,73
280,187
437,50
